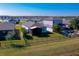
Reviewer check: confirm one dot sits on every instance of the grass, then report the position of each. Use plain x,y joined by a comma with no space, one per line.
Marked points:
55,37
55,44
56,48
4,44
36,40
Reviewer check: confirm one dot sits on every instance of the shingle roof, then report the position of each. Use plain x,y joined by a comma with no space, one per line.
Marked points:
38,25
7,26
28,24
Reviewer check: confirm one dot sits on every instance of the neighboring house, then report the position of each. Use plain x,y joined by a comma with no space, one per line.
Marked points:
12,21
48,24
66,21
5,28
38,27
27,25
23,20
9,19
57,21
3,20
63,21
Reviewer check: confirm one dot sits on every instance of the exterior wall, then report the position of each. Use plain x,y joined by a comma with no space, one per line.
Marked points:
50,29
66,21
5,21
57,21
48,23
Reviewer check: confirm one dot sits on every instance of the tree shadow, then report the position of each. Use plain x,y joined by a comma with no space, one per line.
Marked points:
42,35
28,37
17,46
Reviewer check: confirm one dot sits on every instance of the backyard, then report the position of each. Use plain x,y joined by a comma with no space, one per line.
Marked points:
66,47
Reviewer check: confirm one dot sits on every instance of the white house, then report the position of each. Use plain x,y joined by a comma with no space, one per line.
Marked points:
39,27
48,24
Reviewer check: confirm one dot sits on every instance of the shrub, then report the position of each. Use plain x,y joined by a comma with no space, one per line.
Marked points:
56,28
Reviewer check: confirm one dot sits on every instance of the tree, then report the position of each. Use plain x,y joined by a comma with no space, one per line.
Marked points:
24,30
10,36
18,21
74,23
24,35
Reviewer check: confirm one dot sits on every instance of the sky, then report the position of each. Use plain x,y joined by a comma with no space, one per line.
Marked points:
39,9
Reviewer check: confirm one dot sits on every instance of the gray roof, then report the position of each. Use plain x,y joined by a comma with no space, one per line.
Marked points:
31,24
28,24
38,25
7,26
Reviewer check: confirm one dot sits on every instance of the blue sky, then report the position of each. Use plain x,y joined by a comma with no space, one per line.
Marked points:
39,9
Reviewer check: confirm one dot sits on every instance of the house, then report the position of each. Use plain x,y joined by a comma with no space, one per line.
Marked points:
64,26
6,28
66,21
23,20
38,28
27,25
4,19
57,21
41,27
48,24
12,20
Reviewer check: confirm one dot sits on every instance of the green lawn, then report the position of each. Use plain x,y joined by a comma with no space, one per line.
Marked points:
36,40
55,37
55,48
